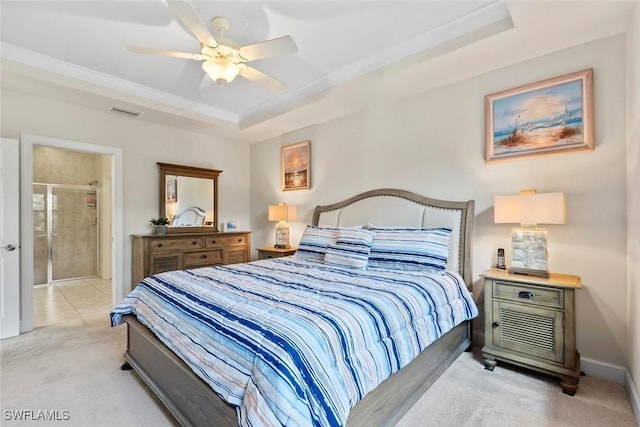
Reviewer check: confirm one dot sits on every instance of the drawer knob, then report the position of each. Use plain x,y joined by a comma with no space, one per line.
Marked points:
525,295
203,257
495,324
159,245
213,242
194,243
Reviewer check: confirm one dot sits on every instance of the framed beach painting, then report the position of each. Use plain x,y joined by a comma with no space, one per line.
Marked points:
548,117
172,190
296,166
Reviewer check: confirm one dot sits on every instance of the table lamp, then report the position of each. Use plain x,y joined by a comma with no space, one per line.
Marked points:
282,213
529,244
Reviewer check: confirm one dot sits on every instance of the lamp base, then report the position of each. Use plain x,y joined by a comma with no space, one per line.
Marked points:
529,249
529,272
282,235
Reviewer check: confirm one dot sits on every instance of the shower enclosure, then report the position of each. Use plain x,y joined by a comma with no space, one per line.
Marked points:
65,232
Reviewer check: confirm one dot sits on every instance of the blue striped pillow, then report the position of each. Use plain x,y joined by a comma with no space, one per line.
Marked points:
314,241
410,249
351,249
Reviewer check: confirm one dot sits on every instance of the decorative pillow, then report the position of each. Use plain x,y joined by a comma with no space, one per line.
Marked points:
410,249
314,241
351,249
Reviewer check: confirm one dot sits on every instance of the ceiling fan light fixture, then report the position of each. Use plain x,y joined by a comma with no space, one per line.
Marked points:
221,70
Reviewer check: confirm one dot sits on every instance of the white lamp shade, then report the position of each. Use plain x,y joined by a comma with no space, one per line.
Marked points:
282,212
530,209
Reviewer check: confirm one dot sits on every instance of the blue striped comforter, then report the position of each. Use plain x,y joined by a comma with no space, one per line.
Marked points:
293,342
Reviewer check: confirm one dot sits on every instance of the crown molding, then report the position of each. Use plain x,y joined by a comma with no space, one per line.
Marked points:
96,82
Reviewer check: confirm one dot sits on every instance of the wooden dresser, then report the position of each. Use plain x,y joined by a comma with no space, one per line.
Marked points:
531,322
179,251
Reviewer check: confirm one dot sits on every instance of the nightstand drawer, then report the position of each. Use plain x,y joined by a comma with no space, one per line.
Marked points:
202,258
536,295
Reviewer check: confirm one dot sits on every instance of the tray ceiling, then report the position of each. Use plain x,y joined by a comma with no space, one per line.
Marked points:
345,50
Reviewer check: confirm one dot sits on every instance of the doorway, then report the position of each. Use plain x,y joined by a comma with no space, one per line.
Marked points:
68,226
109,255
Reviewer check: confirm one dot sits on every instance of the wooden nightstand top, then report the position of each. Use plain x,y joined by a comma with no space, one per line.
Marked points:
267,252
291,250
556,279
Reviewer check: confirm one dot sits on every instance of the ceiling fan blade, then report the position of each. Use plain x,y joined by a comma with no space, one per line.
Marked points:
162,52
262,79
192,20
268,48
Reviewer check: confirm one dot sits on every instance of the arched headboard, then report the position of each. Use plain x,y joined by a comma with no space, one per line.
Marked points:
392,207
193,216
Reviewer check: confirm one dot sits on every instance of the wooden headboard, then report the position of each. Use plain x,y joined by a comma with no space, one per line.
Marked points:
392,207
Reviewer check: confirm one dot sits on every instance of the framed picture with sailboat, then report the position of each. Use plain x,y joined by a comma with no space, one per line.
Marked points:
295,168
548,117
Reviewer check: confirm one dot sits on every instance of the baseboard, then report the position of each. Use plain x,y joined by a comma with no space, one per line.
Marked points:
608,371
632,391
617,374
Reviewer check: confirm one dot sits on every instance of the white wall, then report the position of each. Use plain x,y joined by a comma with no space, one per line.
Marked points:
143,144
633,199
433,144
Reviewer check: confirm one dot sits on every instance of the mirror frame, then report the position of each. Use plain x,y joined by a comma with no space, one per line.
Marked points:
193,172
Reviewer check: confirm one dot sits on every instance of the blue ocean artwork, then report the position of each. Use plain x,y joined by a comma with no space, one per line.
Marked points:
546,118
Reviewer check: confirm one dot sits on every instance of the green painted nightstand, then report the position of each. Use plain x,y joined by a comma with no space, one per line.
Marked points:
531,322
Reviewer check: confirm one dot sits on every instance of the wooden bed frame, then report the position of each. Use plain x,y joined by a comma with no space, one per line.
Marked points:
194,403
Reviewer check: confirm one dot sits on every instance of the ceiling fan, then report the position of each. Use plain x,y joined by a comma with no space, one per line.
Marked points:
223,58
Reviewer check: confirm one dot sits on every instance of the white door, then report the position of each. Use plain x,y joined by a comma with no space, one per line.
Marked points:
9,235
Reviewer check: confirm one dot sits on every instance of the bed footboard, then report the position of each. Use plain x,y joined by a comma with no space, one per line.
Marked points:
194,403
191,401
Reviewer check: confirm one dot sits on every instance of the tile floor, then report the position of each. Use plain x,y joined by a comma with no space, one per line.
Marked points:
71,299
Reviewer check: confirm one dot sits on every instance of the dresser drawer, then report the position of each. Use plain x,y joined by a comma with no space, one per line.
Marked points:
180,244
159,263
157,253
202,258
220,241
536,295
235,256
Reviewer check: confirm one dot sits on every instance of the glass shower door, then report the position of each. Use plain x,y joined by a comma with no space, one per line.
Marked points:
74,233
65,232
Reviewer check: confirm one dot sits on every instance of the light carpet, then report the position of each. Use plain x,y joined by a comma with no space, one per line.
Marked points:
71,370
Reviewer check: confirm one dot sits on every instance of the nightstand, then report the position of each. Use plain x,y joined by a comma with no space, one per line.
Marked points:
271,252
531,322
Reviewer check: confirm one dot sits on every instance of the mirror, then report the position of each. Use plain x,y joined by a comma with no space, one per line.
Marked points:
189,197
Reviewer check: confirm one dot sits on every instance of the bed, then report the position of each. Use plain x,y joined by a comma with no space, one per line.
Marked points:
193,401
